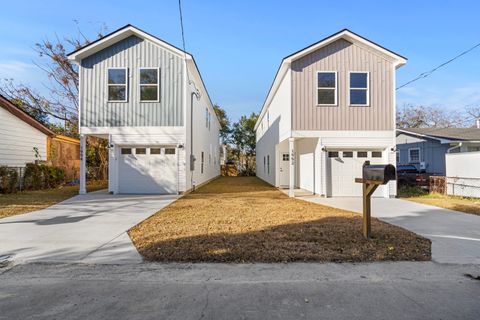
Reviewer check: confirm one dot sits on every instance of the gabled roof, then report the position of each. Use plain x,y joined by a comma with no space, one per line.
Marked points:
118,35
130,30
345,34
450,134
10,107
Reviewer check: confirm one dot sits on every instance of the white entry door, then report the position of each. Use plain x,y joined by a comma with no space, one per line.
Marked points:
284,169
345,166
147,170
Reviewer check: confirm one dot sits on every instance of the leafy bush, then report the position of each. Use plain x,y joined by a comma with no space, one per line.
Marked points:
8,179
408,191
41,176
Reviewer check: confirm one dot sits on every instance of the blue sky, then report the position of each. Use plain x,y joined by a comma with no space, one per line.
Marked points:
238,45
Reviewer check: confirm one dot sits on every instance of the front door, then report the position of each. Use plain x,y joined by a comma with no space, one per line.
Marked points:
284,169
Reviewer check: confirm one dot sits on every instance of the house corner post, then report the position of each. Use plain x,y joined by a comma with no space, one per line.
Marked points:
83,172
291,150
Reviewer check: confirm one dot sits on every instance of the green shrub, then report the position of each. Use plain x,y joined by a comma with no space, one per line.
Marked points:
411,191
41,176
8,179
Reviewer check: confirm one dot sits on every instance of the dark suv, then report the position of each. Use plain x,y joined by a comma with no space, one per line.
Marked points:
409,175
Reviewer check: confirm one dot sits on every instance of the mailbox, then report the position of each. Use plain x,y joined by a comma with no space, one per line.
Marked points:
379,173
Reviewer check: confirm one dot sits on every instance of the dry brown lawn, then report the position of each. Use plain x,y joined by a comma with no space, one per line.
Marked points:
27,201
242,219
467,205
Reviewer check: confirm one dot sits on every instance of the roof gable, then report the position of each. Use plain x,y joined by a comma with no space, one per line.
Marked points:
353,38
10,107
119,35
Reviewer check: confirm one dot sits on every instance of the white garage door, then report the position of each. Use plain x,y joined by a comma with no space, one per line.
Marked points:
144,170
345,166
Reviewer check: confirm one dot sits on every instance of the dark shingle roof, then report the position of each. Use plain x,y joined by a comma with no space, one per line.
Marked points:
464,134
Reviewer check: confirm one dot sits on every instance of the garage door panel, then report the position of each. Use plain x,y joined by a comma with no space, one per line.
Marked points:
344,170
149,173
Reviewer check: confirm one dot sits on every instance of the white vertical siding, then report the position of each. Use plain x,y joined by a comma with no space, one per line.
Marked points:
17,140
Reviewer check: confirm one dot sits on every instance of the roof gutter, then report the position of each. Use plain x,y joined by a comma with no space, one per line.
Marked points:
454,147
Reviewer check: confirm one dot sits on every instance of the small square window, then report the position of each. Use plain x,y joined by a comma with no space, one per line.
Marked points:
376,154
141,151
126,151
347,154
285,157
333,154
155,151
169,150
362,154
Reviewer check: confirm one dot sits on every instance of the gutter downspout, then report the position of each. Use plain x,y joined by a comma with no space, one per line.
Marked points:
454,147
192,156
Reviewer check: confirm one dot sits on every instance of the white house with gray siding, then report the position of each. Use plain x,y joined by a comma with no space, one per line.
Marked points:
330,108
148,99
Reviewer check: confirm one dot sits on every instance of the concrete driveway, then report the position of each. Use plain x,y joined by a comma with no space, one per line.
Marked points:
455,235
87,228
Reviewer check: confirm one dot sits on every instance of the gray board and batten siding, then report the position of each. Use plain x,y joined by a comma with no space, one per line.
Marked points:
132,53
342,56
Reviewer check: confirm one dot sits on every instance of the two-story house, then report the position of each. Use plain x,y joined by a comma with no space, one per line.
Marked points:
148,99
330,108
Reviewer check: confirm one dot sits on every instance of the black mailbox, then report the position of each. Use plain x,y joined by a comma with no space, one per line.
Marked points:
380,173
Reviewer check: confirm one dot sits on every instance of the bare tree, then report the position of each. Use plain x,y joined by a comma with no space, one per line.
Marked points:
410,116
61,103
473,111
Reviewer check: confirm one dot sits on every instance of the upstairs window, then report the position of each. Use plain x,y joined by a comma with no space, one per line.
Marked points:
359,87
149,84
326,88
117,84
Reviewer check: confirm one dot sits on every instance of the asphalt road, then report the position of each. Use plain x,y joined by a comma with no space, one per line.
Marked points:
403,290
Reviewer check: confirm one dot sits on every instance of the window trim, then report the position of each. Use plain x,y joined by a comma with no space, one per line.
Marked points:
419,155
140,85
116,84
335,104
367,89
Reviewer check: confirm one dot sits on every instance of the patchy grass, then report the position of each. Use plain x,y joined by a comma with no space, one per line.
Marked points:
467,205
242,219
27,201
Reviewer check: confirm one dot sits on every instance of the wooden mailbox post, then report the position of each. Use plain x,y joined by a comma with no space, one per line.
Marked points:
372,177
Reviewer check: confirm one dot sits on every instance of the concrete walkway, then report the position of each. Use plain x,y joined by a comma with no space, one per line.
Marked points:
88,228
455,235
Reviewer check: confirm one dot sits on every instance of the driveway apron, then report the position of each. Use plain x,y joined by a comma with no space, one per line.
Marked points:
455,235
87,228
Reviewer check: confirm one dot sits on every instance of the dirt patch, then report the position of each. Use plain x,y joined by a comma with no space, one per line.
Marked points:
242,219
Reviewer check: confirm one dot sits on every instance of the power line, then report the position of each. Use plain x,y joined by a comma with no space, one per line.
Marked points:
428,73
183,38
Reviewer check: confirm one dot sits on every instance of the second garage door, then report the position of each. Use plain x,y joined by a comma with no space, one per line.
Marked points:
345,166
147,170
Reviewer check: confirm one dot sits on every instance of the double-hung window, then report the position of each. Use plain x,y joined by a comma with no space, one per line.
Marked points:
414,155
149,84
117,84
326,88
359,89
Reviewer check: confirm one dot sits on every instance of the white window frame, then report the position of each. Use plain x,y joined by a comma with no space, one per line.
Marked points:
140,85
336,89
116,84
419,155
367,89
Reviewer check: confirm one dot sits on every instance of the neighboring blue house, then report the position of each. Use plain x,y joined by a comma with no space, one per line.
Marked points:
426,147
